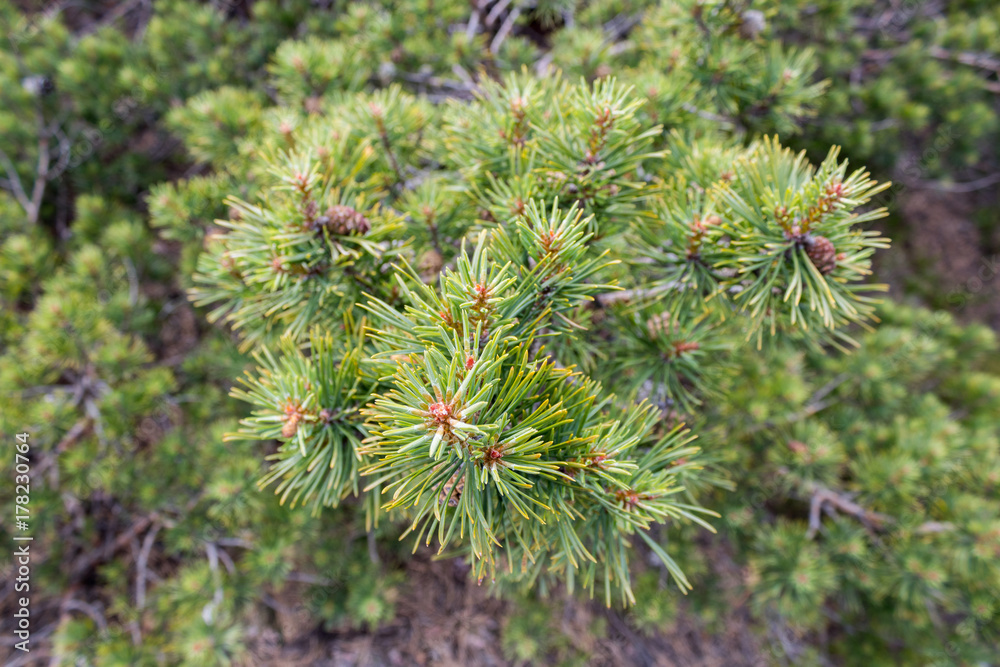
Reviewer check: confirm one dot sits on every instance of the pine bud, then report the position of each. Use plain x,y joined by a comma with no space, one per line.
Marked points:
821,253
660,324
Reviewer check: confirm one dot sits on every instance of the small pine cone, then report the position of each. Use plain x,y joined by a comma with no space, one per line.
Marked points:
452,491
822,253
344,220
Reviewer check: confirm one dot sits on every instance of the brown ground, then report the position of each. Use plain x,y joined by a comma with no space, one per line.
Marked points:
446,620
947,255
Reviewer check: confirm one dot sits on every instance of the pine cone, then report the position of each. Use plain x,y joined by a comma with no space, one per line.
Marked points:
344,220
452,490
821,253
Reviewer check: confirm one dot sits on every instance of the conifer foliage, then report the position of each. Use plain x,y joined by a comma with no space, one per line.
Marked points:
535,286
475,241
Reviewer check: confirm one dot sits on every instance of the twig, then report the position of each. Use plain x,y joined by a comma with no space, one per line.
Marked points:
620,25
609,298
208,612
372,550
133,283
234,542
25,659
497,10
275,605
44,171
78,431
227,561
932,527
140,566
112,16
85,563
822,496
41,171
90,610
384,136
505,29
473,25
306,578
968,186
707,115
825,390
812,406
14,182
542,64
980,60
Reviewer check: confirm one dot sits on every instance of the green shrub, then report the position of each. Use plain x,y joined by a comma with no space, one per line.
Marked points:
486,306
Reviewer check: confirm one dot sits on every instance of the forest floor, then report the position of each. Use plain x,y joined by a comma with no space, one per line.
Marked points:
948,259
445,619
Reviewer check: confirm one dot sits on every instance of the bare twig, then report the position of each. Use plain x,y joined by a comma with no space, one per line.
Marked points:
980,60
620,25
140,566
208,612
90,610
932,527
14,182
505,29
497,10
822,497
112,16
707,115
89,560
372,549
473,25
384,136
133,283
968,186
234,542
45,171
812,406
227,561
41,171
609,298
306,578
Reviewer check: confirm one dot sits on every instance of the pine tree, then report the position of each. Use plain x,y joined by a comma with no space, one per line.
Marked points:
557,326
436,379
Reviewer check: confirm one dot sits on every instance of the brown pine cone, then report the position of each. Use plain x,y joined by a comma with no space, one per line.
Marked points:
344,220
821,253
452,490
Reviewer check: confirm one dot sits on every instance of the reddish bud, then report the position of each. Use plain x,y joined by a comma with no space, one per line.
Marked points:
439,411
